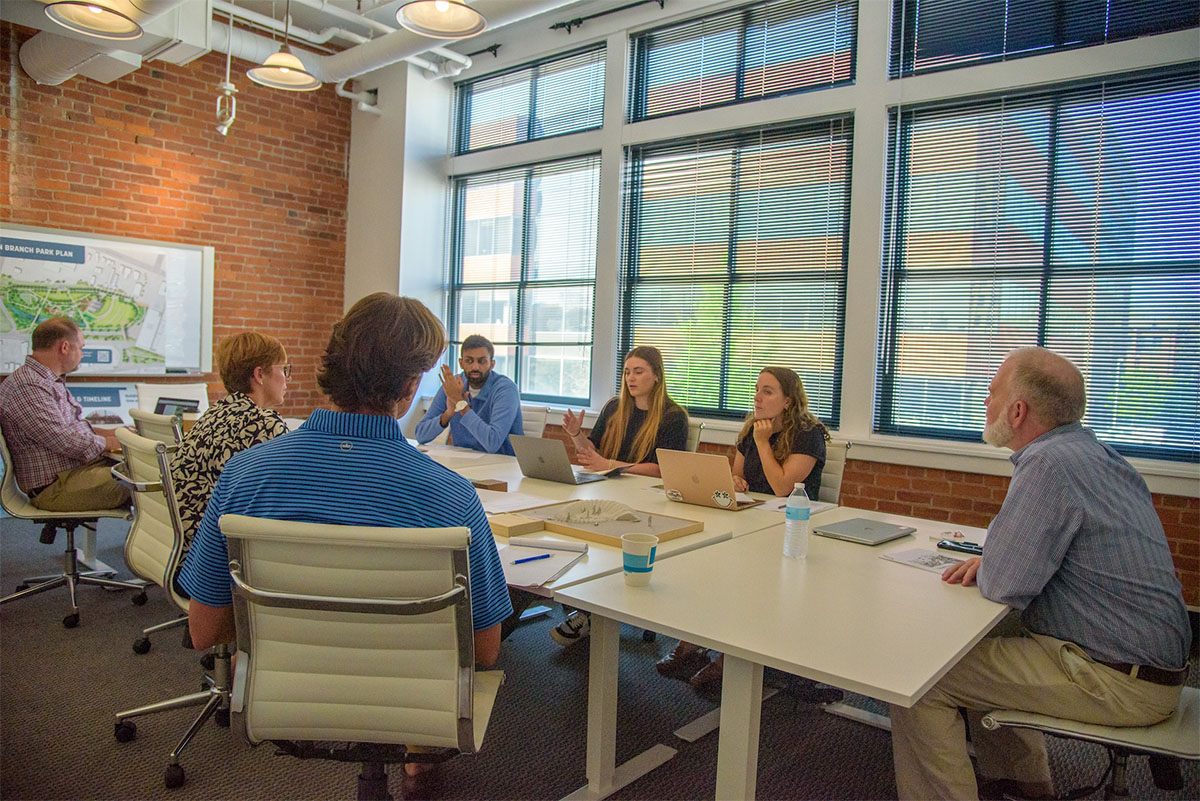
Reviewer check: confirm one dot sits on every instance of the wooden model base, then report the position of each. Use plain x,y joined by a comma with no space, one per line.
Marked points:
608,532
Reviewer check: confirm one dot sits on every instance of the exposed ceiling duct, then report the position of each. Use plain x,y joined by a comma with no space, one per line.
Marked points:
51,61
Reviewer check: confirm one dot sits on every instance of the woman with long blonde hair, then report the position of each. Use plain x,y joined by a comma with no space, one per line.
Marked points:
629,431
633,425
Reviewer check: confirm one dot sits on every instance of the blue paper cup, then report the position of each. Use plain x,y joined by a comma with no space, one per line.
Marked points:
638,551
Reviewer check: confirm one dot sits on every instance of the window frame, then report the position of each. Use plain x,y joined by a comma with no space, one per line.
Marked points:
455,288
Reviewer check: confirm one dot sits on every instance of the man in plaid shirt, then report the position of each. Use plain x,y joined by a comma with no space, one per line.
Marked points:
58,457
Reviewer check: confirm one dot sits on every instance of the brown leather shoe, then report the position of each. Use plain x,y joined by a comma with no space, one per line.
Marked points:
682,665
709,674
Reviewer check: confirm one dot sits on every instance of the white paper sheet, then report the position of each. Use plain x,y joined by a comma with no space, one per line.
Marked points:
932,561
495,503
538,572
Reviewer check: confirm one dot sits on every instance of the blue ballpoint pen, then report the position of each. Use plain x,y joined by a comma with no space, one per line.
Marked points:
531,558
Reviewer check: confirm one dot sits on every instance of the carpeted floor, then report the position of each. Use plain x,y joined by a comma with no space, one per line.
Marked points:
59,689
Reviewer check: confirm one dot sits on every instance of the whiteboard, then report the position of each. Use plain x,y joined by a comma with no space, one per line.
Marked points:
145,307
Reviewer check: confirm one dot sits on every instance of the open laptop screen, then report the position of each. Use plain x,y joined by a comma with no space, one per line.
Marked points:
172,406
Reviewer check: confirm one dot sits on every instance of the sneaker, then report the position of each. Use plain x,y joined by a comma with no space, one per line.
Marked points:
576,627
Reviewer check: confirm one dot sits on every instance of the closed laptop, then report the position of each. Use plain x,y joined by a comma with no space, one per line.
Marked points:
863,531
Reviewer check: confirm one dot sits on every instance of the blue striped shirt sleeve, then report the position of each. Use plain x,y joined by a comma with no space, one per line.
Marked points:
490,603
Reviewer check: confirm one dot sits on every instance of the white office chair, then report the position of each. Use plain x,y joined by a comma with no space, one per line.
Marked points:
835,466
533,420
419,408
149,394
695,427
358,636
153,551
160,427
16,503
1177,737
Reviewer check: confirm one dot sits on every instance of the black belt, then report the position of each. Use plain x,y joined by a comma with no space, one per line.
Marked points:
1155,675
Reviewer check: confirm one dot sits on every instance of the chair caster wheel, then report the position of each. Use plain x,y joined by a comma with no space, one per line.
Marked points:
208,661
222,717
141,646
648,636
71,620
22,587
139,599
174,777
125,731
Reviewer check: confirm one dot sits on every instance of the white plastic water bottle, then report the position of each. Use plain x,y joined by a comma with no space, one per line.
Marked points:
795,529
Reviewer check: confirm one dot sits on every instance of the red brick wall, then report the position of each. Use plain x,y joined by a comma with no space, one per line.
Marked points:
972,499
140,157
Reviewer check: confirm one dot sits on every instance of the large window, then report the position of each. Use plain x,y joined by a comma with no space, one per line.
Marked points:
749,53
929,35
524,269
555,96
735,259
1067,219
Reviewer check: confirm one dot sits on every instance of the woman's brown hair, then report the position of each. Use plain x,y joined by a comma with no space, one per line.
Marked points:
239,355
660,401
795,417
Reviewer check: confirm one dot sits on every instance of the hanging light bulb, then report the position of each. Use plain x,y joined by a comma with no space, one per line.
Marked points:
283,70
441,19
93,19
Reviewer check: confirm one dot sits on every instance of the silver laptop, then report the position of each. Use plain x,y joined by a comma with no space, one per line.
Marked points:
863,531
547,458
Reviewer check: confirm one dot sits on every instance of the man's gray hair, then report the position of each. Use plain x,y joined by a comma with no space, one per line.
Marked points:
1051,385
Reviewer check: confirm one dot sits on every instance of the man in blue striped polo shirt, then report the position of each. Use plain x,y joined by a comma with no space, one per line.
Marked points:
352,466
1078,549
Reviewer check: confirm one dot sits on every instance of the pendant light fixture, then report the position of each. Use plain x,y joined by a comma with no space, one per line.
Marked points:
441,19
283,70
93,19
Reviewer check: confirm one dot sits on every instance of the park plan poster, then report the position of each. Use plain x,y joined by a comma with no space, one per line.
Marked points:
118,292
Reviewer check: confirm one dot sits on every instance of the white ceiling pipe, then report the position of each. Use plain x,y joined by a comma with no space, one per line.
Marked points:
400,44
450,55
51,59
303,35
349,16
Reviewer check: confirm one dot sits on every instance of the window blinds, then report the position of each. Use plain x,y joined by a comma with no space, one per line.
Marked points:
1067,219
744,54
556,96
735,259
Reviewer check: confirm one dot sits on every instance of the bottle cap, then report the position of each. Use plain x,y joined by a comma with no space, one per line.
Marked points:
799,485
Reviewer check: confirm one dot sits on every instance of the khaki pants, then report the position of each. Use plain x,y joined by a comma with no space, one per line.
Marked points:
1029,672
81,489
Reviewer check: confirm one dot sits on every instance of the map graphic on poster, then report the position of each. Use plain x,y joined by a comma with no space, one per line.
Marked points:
130,300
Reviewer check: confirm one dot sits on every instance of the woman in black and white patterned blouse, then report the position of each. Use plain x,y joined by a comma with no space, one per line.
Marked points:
255,371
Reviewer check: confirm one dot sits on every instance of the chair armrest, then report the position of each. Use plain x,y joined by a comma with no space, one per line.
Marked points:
387,606
136,486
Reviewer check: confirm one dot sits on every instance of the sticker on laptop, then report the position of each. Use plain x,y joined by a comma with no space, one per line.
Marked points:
722,499
675,495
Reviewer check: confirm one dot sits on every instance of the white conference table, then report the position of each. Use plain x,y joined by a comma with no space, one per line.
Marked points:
636,492
458,459
843,617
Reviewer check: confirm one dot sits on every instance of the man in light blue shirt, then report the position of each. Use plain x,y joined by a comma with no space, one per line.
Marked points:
481,407
1079,551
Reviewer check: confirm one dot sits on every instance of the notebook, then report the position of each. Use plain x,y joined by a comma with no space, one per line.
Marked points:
547,459
704,479
862,530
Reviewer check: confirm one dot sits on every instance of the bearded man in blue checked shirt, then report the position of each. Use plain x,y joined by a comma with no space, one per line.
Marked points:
352,466
1078,550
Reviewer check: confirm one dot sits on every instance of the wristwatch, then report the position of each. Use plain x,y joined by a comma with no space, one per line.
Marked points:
461,406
